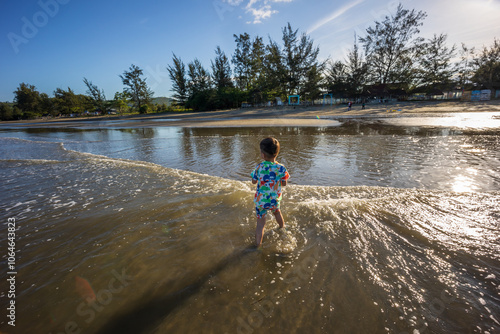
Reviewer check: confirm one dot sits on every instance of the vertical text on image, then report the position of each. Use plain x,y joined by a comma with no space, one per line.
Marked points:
11,272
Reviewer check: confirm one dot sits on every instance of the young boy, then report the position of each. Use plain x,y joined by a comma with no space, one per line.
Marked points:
269,176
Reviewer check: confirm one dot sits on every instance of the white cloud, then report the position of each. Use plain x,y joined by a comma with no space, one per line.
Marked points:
233,2
334,15
259,9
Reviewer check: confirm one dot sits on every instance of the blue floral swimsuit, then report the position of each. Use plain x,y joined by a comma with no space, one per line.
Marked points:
268,195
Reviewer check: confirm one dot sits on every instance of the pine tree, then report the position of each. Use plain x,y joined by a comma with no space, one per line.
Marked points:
137,87
96,95
177,74
391,44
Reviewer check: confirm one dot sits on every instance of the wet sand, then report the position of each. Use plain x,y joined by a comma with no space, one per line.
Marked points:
272,116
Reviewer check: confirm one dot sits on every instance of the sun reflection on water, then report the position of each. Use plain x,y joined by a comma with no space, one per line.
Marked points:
465,183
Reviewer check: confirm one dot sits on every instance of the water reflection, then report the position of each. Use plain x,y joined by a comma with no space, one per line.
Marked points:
470,120
371,152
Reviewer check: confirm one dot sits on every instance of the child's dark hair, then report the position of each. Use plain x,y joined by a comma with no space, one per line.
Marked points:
270,147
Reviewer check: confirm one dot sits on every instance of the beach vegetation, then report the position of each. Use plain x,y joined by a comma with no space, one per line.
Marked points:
27,100
391,59
121,102
177,74
434,67
97,96
487,64
136,87
66,102
391,44
6,112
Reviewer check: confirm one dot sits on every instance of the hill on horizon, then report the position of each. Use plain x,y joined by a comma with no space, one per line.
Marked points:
162,100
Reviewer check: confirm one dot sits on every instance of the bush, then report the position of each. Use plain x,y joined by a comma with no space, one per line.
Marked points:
144,109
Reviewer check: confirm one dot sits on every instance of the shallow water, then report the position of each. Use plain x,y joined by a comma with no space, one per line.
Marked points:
392,226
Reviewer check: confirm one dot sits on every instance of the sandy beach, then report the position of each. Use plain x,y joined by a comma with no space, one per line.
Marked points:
274,116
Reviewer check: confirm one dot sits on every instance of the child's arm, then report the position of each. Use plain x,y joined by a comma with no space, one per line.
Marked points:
254,175
285,178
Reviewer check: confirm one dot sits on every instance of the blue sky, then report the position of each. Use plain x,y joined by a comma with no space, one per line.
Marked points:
56,43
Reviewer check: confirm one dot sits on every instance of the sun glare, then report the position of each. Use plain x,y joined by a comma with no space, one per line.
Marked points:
463,183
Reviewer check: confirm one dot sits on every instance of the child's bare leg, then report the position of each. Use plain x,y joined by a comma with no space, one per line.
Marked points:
259,231
279,218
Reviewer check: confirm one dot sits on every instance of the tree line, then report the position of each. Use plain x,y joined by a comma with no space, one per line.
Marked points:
391,58
30,103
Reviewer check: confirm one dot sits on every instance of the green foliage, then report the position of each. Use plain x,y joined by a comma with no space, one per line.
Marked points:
203,100
337,79
393,57
298,57
242,60
435,68
262,72
121,101
69,103
199,78
177,74
465,66
221,70
6,112
487,66
97,96
391,44
27,99
144,109
136,86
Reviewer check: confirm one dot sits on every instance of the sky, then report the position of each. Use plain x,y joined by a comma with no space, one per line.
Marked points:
56,43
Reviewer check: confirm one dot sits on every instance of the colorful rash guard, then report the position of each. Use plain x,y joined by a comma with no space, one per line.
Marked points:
268,195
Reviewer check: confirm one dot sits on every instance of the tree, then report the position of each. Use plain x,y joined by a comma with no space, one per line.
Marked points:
46,105
120,102
177,74
96,95
391,44
436,70
199,78
465,66
311,88
275,72
221,70
337,79
357,70
221,74
257,71
27,99
6,112
201,94
299,56
242,60
67,102
136,87
487,65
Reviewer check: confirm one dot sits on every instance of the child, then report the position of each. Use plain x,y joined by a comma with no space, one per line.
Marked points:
269,176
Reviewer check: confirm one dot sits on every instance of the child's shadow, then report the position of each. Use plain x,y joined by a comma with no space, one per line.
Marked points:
148,315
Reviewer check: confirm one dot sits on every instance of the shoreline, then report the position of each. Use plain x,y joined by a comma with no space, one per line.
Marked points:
271,116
